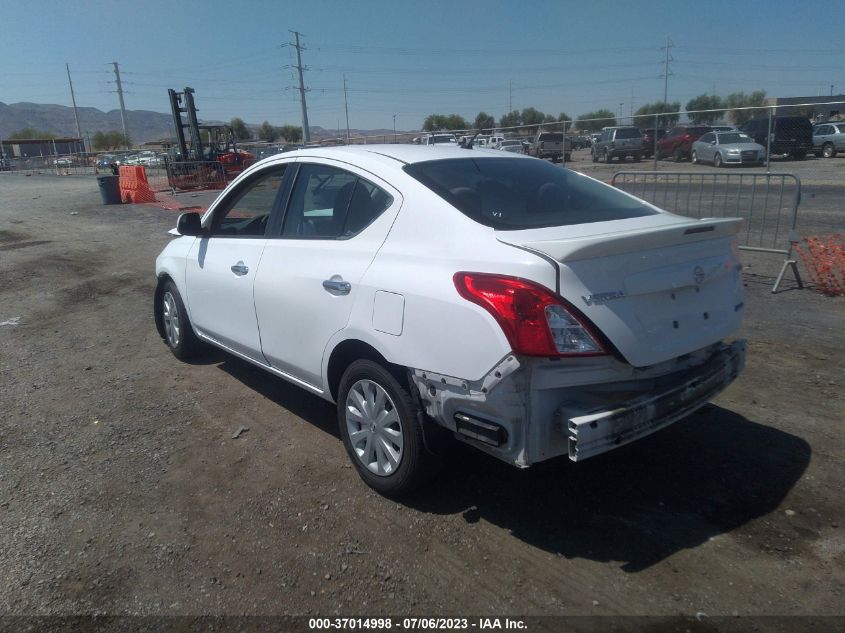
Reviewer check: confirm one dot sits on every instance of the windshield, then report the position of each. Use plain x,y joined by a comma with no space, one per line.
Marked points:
515,193
443,138
734,137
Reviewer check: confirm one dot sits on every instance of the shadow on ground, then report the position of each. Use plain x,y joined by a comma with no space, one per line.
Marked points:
706,475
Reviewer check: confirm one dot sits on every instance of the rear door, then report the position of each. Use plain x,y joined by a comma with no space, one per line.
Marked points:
337,218
222,264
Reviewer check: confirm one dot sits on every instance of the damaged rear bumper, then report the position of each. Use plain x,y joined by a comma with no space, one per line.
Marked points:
527,410
600,431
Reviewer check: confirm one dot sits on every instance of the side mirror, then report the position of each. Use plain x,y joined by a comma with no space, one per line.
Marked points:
189,224
712,142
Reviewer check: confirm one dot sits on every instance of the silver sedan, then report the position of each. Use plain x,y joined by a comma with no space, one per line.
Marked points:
727,148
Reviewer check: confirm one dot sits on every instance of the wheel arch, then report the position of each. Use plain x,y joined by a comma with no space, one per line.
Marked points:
349,350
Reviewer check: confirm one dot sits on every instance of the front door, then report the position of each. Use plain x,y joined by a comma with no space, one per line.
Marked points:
222,264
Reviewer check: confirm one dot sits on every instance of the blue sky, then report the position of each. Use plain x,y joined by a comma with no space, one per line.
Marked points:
414,58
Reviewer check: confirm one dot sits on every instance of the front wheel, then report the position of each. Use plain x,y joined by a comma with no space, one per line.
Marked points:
176,329
717,160
381,427
828,150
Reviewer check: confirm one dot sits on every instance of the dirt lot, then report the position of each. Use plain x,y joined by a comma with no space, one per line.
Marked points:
123,492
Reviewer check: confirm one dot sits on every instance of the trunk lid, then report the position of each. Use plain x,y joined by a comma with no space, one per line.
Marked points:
657,287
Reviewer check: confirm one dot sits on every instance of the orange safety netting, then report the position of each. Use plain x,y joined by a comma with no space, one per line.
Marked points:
824,258
134,187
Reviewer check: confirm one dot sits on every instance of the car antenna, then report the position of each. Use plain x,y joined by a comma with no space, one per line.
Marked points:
468,144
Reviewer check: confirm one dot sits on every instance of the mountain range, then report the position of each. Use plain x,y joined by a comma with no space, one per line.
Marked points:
144,125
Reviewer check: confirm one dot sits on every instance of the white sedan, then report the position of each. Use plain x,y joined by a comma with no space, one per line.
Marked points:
527,310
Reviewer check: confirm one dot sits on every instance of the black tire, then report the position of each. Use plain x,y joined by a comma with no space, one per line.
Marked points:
415,464
678,155
608,157
828,150
799,155
717,160
637,158
176,328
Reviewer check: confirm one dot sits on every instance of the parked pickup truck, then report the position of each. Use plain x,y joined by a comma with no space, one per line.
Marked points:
550,145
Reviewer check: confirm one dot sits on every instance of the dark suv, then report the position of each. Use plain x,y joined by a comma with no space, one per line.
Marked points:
648,140
618,142
791,135
678,141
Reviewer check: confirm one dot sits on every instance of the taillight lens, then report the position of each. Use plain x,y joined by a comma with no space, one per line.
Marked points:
535,321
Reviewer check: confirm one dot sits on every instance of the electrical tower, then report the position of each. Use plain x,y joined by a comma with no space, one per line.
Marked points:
306,133
75,113
122,106
666,71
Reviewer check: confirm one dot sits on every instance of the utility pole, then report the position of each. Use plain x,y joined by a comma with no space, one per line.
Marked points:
122,106
510,97
306,133
75,113
666,73
394,128
346,107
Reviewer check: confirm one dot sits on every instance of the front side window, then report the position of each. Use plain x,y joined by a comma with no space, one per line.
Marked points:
708,137
822,130
246,212
331,203
514,193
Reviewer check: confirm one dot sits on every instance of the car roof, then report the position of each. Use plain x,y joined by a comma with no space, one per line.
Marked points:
401,153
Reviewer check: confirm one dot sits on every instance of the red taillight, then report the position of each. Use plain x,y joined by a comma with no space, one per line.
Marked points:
535,321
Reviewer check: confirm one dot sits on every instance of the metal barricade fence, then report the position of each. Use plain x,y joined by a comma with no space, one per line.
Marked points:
766,202
181,176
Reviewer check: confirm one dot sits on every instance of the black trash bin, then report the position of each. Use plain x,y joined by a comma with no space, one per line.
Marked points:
109,189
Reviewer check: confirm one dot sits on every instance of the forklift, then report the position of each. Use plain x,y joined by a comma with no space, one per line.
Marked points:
208,157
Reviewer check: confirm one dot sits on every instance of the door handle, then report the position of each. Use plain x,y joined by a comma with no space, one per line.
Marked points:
240,269
336,287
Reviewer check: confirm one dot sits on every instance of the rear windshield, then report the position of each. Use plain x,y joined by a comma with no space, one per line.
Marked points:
628,132
551,137
443,139
514,193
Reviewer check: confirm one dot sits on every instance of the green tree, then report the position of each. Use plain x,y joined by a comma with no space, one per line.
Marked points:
705,102
28,133
669,114
595,121
435,122
267,132
742,100
240,130
109,140
563,116
484,122
511,119
291,133
532,116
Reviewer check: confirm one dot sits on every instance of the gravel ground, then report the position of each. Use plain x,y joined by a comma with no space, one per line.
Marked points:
122,490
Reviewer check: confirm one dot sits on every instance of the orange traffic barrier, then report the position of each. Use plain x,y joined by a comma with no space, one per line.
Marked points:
134,187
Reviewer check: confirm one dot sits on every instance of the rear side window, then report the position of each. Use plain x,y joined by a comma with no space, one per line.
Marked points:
630,132
514,193
797,125
327,202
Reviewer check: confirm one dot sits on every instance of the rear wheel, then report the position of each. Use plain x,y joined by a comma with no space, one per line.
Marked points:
637,158
799,155
828,151
717,160
381,427
678,155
